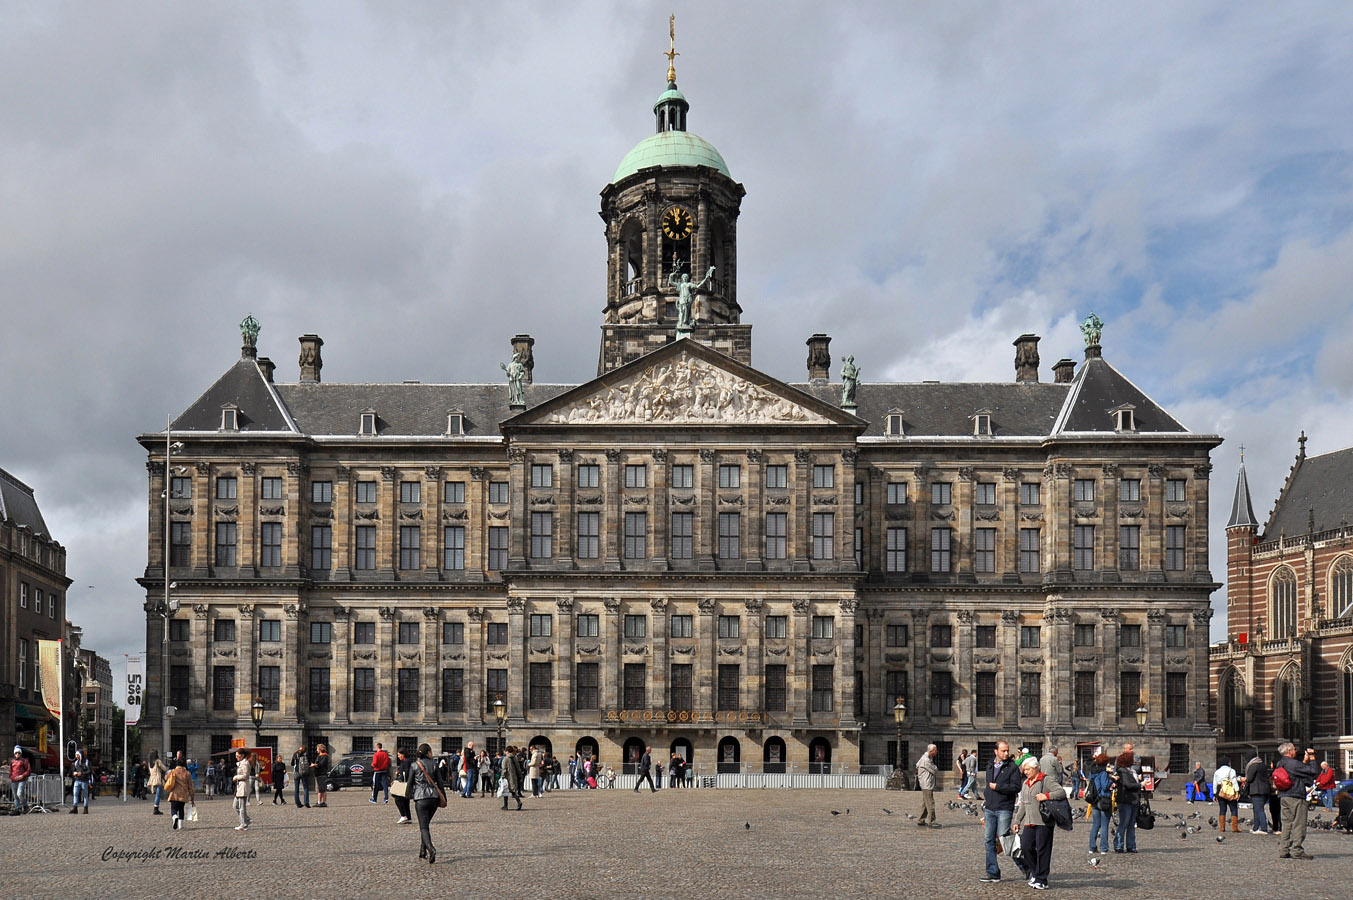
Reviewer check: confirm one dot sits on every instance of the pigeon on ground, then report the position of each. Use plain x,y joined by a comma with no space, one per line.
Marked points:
847,810
910,816
887,811
1212,820
748,826
1183,835
836,812
1094,862
1221,838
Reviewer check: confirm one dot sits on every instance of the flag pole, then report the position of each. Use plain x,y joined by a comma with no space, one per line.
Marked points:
126,666
61,721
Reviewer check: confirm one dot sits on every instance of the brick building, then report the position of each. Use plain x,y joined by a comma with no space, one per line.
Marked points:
1286,669
685,551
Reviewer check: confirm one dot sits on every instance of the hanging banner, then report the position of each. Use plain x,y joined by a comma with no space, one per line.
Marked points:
135,685
49,659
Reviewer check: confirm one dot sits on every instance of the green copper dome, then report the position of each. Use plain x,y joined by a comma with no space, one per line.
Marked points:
670,148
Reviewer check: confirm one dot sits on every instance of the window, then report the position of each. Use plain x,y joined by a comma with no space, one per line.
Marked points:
408,632
1174,548
777,524
897,493
364,689
636,535
410,492
1084,636
227,486
941,635
1030,637
985,695
941,693
776,476
1176,695
824,476
1084,543
181,543
367,423
634,678
588,625
986,493
453,690
270,544
984,550
455,423
1129,692
636,626
775,688
1341,593
270,489
1030,694
1129,635
940,558
823,526
225,544
859,493
895,558
589,475
453,551
729,682
897,635
1030,493
270,631
179,686
941,493
366,492
180,488
1130,490
321,547
407,693
223,687
453,492
636,476
679,691
540,686
730,535
364,554
498,492
587,689
542,625
683,626
321,632
319,689
453,632
1083,490
542,475
495,683
683,476
1083,695
497,547
23,665
824,627
985,636
1174,490
1283,603
892,424
824,679
23,595
223,631
1129,547
542,535
364,632
682,527
1176,636
497,633
777,626
730,476
730,627
1029,550
270,686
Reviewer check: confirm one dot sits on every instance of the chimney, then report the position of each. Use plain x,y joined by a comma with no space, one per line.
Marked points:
311,362
266,366
1026,358
819,358
522,344
1063,371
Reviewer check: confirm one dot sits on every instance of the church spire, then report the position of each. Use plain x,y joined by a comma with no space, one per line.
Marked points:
1242,511
671,107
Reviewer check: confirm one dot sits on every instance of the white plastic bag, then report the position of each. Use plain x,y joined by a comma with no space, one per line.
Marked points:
192,812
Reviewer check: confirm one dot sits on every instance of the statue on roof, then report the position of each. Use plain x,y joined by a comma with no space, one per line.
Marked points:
516,379
1092,327
850,379
685,290
249,330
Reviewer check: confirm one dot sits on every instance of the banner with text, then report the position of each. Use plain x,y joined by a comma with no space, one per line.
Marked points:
49,660
135,685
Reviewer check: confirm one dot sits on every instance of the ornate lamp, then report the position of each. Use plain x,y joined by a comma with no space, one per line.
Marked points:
899,716
1141,716
256,711
500,716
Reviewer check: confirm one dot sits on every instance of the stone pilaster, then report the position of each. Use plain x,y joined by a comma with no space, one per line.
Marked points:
706,655
707,511
563,661
246,531
612,529
755,526
754,668
1153,650
845,643
965,709
1109,667
659,547
297,515
387,527
430,537
610,660
476,696
387,678
658,629
517,674
1061,672
801,650
519,536
342,524
961,544
431,669
564,551
1007,647
340,682
801,514
248,676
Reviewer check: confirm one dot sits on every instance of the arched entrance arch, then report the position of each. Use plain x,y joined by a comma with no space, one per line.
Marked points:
588,747
632,750
543,743
682,748
773,756
730,756
819,756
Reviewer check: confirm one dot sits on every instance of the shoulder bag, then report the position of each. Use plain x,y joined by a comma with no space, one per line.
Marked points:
400,789
441,794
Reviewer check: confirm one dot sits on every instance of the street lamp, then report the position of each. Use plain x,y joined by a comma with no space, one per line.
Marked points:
1141,716
168,606
500,715
257,713
899,716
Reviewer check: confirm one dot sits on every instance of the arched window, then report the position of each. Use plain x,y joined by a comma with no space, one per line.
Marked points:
730,756
773,756
633,749
1233,706
1288,709
1341,588
820,757
1346,686
1282,595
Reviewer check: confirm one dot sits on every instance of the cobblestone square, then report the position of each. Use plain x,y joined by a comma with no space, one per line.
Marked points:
594,844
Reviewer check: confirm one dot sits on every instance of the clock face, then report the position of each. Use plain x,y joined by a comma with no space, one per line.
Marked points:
677,223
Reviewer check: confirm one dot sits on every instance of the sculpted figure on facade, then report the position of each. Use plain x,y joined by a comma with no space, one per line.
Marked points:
850,380
685,291
516,379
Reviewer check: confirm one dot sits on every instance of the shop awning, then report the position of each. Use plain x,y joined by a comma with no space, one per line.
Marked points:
24,711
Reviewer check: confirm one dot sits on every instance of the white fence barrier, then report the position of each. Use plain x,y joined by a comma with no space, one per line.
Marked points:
843,778
38,791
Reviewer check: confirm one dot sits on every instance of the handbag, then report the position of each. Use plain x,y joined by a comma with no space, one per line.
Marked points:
192,812
1146,819
1058,812
441,794
400,789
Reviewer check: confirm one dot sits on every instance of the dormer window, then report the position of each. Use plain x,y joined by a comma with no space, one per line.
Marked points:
230,417
368,423
1124,418
981,423
455,423
892,423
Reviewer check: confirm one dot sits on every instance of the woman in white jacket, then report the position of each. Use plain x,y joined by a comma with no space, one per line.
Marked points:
243,775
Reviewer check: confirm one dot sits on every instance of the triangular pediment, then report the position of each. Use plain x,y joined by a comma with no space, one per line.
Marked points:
685,383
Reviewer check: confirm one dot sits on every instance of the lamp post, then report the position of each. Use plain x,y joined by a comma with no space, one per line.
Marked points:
256,712
500,716
899,716
1141,716
168,606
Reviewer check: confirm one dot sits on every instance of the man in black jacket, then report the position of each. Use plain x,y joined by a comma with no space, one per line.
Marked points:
646,771
1303,775
998,804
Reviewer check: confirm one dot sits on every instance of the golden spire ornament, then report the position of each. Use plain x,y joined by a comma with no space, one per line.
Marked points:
671,53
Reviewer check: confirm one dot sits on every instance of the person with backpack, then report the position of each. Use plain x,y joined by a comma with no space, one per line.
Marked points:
1226,788
1291,780
1099,801
1128,796
1256,780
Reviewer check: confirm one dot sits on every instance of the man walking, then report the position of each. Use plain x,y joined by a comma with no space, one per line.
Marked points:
1051,765
646,771
380,773
1299,777
927,773
470,766
969,789
300,776
998,805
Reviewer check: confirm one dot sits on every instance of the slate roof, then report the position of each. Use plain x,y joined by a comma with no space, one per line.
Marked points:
1097,389
406,409
1320,483
17,504
945,409
1242,511
244,385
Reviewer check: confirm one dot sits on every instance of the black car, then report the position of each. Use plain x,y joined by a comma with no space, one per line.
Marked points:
353,770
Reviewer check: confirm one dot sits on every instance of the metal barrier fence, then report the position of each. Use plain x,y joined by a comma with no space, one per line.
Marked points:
39,792
839,776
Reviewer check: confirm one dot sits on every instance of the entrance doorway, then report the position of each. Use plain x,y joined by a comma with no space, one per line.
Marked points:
773,756
730,756
819,757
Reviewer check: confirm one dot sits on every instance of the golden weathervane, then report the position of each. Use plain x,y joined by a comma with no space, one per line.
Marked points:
672,53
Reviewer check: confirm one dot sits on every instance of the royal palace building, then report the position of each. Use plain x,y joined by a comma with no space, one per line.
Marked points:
683,552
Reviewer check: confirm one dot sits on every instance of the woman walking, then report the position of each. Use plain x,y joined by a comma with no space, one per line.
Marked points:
1035,832
279,780
512,772
427,798
242,778
402,765
322,775
1226,788
1256,779
156,781
1102,805
179,788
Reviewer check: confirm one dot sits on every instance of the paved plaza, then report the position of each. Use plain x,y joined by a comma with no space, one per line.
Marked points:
593,844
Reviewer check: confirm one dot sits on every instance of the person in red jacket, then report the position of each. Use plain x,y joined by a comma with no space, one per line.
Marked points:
380,773
19,770
1324,783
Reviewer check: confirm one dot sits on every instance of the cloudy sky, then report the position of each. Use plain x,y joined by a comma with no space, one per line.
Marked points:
418,181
